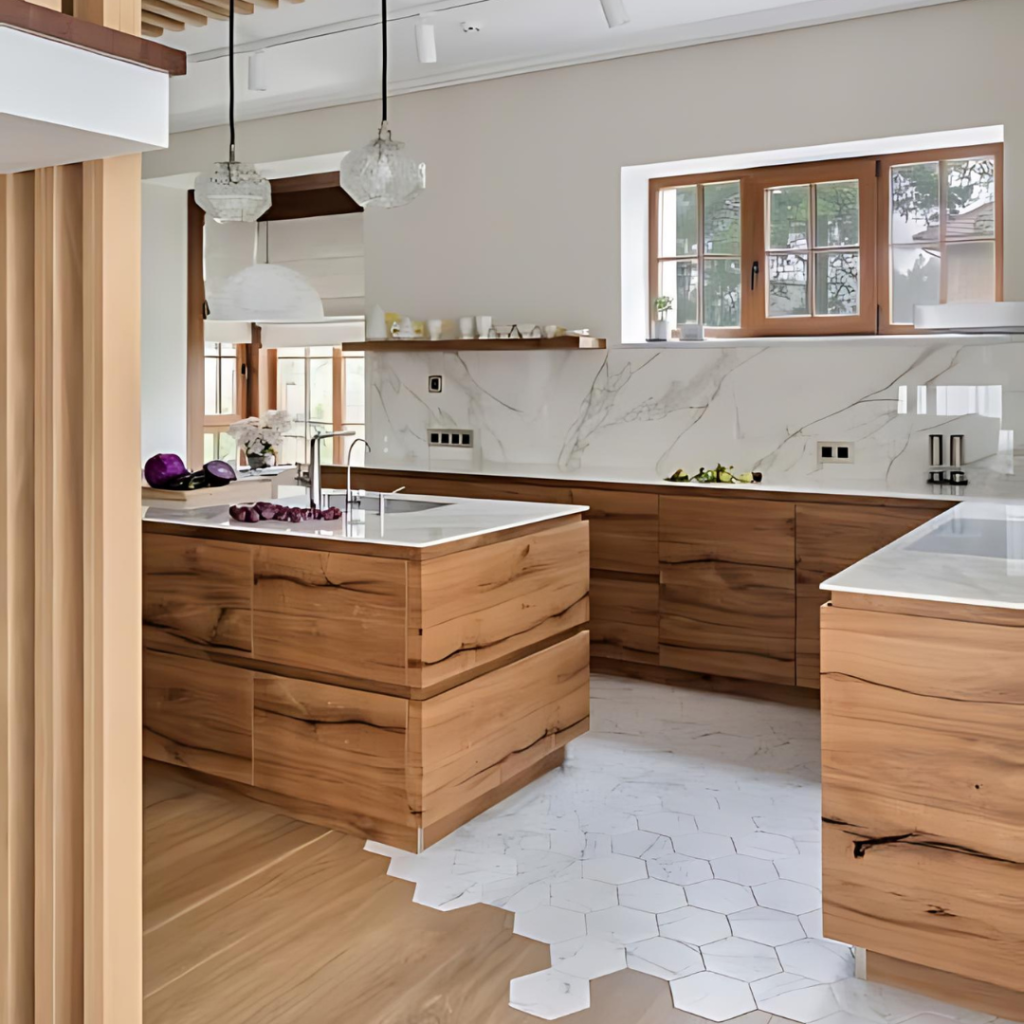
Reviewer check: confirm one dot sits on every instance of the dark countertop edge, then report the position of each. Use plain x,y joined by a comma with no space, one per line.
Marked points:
63,28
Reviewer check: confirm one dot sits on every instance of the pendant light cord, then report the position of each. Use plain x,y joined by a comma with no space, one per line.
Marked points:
384,77
231,77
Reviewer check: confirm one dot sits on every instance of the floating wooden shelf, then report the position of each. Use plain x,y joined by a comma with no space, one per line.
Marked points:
566,341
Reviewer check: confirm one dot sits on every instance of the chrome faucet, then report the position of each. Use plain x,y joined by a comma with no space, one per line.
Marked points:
348,469
315,495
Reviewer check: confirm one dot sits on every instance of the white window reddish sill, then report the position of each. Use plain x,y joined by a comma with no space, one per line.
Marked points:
829,339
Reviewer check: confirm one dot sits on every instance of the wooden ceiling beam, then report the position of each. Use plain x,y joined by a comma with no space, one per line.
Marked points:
266,3
172,10
161,21
209,9
241,6
152,31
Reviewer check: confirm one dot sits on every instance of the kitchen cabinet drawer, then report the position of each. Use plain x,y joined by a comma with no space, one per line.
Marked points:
728,529
197,714
623,530
830,538
196,594
624,619
720,618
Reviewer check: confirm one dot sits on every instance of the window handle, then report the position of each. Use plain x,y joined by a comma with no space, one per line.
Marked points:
755,269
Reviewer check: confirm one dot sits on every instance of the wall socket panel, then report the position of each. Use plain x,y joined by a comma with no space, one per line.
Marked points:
450,438
835,451
435,384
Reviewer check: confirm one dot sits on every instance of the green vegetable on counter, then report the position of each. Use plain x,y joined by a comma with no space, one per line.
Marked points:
719,475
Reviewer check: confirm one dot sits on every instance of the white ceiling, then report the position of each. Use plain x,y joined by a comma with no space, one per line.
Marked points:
325,52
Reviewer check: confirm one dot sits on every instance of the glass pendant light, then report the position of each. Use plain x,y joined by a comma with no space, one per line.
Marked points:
381,174
233,191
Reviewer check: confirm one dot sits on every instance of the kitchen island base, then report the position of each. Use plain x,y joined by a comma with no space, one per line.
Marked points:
388,692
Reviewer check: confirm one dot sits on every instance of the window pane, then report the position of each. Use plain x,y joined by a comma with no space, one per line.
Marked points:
837,208
679,221
971,198
359,454
321,391
291,387
722,218
679,281
227,447
971,272
293,450
787,285
837,283
209,446
210,402
916,281
228,368
915,203
321,351
722,292
354,389
789,213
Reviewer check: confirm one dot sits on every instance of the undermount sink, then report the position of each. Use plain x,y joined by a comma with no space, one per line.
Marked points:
370,503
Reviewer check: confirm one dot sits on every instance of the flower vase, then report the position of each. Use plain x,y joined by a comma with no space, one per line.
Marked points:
258,462
661,330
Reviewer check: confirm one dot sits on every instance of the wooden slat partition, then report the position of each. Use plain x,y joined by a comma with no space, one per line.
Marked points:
70,547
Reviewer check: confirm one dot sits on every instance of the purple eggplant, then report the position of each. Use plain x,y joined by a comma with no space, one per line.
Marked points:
165,472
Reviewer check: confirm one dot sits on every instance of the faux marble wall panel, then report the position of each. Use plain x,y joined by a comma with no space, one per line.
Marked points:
656,410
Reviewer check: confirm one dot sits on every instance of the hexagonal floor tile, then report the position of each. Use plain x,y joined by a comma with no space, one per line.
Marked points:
712,996
664,958
549,994
667,823
766,845
818,959
607,822
550,924
589,958
741,958
615,869
689,802
792,897
679,869
794,826
723,824
772,927
694,926
583,895
622,924
744,870
812,924
703,845
652,895
634,844
800,869
725,897
799,999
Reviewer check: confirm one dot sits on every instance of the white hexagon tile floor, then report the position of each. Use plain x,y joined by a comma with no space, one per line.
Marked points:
681,839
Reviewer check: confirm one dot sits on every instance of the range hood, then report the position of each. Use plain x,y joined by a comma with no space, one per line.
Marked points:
972,317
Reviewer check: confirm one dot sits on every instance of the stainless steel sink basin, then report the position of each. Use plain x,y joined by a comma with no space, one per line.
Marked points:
370,503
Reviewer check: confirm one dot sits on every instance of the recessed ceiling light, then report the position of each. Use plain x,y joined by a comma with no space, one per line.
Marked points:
615,13
471,26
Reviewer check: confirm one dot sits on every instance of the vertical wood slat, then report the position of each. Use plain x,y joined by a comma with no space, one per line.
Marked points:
17,547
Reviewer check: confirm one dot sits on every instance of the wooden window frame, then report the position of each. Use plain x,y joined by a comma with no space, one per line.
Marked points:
875,273
885,165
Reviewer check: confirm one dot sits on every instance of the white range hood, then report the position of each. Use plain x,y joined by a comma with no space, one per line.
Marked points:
972,317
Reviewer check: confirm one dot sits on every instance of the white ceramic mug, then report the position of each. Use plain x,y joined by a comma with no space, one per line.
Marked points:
551,331
483,326
434,327
465,327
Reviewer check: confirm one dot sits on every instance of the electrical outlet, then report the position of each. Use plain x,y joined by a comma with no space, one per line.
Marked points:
435,384
450,438
835,451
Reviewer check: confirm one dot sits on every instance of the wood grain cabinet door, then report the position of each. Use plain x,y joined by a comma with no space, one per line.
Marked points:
830,538
623,530
197,714
727,599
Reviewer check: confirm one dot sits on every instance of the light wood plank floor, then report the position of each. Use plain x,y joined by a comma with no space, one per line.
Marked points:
251,918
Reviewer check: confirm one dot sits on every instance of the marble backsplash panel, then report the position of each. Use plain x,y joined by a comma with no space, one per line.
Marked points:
656,410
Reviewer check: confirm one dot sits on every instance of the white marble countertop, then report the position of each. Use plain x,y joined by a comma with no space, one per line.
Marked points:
971,554
452,519
830,479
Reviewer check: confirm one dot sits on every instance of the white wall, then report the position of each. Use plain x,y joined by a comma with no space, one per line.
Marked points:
164,266
521,215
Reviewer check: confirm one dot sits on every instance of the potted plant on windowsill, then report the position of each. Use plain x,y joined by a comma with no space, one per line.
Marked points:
662,308
261,436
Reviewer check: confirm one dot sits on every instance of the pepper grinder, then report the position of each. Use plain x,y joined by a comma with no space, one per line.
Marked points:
936,445
956,459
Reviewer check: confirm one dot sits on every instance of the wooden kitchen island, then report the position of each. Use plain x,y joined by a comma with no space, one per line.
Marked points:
390,677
